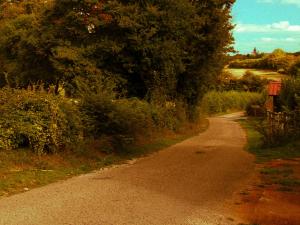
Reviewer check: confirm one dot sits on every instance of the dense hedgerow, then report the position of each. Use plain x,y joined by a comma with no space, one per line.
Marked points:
123,119
277,60
249,82
161,50
294,70
48,123
283,127
144,46
223,101
37,120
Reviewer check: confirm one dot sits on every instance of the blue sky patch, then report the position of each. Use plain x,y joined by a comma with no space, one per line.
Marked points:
267,25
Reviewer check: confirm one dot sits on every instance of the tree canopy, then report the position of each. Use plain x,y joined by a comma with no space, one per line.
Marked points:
159,50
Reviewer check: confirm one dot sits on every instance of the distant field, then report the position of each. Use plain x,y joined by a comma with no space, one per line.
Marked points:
271,75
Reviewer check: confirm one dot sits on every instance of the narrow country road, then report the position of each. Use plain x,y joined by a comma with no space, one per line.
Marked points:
188,183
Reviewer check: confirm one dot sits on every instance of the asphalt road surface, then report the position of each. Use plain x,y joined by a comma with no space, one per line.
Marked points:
188,183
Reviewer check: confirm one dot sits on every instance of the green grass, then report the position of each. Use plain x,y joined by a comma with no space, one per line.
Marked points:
218,102
277,171
282,175
263,154
22,170
289,182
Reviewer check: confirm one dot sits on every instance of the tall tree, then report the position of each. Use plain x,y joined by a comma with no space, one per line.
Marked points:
161,50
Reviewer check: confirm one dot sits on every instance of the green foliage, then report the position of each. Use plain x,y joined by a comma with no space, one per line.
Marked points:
223,101
132,67
249,82
226,81
294,70
287,127
161,51
256,107
263,152
253,83
35,119
278,60
34,171
105,115
246,63
278,129
290,94
48,123
124,120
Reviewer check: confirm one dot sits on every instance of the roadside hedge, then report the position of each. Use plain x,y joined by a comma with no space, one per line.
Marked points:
123,119
37,120
223,101
46,123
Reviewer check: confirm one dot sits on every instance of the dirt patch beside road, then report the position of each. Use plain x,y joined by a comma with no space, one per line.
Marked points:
273,197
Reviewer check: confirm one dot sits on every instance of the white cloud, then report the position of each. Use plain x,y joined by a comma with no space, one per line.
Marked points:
267,39
278,40
282,26
291,2
290,39
284,2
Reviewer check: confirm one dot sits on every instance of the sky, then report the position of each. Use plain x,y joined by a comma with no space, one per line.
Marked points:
266,25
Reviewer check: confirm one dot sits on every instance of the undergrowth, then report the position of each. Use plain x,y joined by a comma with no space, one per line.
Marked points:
34,119
287,150
223,101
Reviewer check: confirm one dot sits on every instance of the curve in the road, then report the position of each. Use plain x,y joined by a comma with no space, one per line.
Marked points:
188,183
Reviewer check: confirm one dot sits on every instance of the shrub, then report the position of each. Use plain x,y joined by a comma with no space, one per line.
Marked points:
294,70
251,82
280,128
256,107
35,119
105,114
246,63
122,119
223,101
248,82
226,82
278,60
290,94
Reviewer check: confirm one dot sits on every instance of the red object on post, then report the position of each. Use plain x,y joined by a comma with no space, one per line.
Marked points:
274,88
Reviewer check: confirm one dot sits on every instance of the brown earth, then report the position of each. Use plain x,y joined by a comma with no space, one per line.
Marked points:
189,183
267,202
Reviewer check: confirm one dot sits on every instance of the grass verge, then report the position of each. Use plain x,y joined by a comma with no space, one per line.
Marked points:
22,170
278,166
264,154
272,196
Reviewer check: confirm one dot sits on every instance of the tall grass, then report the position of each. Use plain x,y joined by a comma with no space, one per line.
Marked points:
224,101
